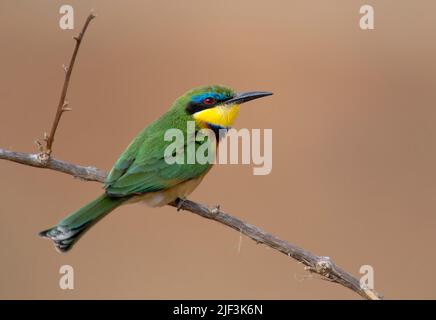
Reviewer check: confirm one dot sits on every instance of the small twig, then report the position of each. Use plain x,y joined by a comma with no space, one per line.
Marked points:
63,104
323,266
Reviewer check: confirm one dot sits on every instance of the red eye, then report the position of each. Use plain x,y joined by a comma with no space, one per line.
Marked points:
209,101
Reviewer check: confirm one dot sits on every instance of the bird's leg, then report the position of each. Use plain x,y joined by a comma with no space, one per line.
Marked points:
179,203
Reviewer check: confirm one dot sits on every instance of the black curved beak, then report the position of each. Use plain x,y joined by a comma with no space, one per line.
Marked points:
247,96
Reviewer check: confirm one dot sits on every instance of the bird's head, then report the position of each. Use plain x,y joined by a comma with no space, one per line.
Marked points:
216,106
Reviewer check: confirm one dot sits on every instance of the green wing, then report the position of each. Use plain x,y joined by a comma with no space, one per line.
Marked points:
142,167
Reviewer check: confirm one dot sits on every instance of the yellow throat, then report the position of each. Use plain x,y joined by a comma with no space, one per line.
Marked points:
222,115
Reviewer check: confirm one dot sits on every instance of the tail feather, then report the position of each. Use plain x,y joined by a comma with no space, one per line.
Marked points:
66,233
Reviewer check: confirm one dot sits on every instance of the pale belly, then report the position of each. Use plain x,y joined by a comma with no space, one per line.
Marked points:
161,198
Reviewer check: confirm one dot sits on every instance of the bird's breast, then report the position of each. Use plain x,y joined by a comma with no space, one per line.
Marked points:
163,197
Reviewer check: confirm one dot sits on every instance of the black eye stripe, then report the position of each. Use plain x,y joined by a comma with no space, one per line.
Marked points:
194,107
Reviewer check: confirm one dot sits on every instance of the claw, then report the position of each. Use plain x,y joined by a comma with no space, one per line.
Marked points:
180,202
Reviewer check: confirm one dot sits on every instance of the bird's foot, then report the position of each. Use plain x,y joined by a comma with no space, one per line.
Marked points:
179,203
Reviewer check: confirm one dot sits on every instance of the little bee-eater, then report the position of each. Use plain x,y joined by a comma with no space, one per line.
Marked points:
142,172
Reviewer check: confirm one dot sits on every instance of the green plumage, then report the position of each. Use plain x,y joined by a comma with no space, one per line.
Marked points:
92,211
69,229
140,169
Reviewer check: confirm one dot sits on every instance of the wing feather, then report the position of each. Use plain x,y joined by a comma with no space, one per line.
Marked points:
142,167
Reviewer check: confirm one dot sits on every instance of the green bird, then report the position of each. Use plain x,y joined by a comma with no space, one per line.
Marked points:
143,172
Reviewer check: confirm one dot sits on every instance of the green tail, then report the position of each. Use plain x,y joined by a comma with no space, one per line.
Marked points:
69,230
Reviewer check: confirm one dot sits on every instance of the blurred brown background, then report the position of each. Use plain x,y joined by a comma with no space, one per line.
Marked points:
354,148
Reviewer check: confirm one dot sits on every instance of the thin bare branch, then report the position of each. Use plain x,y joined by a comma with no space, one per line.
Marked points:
63,104
34,160
321,265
